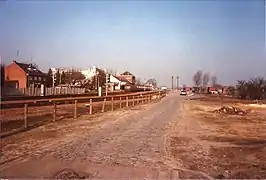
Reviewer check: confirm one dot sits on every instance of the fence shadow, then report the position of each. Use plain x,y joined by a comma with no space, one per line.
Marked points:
38,116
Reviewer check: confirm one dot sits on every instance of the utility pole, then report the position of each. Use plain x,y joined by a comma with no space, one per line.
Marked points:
96,81
172,82
53,78
106,84
60,79
177,82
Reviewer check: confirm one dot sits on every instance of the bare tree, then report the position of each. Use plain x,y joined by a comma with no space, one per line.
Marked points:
205,79
138,81
35,65
110,71
214,80
152,81
253,89
197,78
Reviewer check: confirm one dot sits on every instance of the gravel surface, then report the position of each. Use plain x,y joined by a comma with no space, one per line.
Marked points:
129,145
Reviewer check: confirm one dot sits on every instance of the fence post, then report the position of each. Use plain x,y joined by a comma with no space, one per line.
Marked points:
146,98
54,112
112,103
90,106
127,101
26,115
120,101
138,98
76,109
133,103
103,104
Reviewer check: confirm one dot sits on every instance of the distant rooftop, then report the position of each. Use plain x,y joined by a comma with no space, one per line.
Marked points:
30,69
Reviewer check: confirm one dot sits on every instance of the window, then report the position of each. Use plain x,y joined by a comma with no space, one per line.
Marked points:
35,78
30,78
44,79
40,78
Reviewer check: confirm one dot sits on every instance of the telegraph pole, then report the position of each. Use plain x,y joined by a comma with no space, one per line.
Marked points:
60,79
177,82
53,78
172,82
106,83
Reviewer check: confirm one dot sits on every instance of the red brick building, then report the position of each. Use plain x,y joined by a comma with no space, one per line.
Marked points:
24,75
129,77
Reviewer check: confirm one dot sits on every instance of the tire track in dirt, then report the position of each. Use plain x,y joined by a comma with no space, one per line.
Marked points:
180,127
135,141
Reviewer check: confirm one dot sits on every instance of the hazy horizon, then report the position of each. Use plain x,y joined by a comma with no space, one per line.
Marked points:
156,39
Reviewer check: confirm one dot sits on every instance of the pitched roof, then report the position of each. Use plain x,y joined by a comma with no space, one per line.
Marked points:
30,69
122,79
127,73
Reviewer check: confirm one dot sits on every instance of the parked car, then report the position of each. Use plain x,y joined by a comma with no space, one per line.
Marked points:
183,92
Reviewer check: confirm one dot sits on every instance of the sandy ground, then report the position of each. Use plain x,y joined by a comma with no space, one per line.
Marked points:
120,144
171,139
220,145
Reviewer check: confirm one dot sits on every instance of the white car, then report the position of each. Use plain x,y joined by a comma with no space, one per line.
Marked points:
183,93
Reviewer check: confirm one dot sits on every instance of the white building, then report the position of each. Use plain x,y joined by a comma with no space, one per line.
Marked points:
90,73
119,82
61,70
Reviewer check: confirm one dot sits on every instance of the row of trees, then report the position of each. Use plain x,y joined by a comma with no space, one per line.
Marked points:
97,81
202,79
253,89
64,78
73,76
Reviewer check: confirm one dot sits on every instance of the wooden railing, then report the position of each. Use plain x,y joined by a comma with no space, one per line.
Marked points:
26,117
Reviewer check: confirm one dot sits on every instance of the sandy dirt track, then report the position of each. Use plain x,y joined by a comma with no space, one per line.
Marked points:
121,144
174,138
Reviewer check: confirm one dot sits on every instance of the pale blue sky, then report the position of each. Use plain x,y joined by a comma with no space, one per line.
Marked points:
149,38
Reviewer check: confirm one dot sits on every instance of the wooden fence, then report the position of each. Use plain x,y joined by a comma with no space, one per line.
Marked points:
92,105
34,91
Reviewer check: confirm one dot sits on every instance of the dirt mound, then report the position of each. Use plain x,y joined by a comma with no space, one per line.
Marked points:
231,110
68,174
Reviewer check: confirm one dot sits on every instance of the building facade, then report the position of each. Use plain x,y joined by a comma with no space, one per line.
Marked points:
129,77
24,75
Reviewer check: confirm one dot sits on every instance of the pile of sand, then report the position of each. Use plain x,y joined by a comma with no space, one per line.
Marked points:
68,174
231,110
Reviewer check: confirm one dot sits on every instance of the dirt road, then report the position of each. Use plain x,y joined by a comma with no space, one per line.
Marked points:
127,144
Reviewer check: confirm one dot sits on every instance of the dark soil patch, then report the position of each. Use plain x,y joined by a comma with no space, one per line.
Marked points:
69,174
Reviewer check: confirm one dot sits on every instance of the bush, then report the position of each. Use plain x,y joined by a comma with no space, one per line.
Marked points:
254,89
